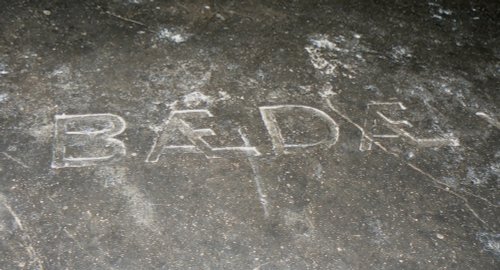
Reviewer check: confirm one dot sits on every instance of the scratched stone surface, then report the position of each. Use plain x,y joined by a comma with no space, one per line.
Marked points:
146,134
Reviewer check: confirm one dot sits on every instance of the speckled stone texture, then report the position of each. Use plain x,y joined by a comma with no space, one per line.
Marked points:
147,134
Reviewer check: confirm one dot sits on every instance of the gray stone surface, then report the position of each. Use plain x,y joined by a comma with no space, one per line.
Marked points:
343,134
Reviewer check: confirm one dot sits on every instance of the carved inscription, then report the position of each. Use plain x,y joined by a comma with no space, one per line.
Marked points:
89,139
78,143
176,123
280,146
397,127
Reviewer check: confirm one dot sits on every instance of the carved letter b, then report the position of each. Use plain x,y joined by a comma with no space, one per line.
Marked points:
87,140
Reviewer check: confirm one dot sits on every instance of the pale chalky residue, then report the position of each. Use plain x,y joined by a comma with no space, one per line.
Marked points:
173,35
